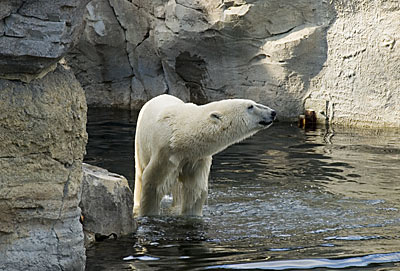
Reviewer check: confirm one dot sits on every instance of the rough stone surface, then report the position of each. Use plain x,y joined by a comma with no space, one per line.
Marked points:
107,202
201,50
360,81
42,143
102,59
36,34
287,54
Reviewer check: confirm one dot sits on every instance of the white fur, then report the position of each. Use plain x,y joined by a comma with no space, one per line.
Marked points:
174,144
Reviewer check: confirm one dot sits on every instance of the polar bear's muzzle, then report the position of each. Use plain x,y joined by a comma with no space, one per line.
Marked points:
267,121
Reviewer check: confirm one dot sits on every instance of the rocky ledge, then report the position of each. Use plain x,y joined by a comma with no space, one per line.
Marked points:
34,35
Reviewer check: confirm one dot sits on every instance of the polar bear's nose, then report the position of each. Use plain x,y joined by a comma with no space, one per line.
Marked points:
273,114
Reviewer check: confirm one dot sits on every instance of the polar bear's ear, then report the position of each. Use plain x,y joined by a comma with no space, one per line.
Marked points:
215,116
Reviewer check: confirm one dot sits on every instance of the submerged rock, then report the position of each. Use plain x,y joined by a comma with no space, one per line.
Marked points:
106,202
42,144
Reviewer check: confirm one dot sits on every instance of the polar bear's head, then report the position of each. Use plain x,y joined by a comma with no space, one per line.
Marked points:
236,119
199,131
241,113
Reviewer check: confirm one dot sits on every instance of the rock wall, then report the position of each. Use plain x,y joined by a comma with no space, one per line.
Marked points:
42,137
103,60
201,51
42,143
282,53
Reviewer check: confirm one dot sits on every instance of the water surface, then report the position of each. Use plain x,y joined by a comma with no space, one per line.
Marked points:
285,199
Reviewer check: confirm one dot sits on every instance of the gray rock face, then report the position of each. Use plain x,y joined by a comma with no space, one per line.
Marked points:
36,34
329,55
106,203
102,57
202,50
42,143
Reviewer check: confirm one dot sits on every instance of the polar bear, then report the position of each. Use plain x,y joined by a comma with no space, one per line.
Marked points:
174,145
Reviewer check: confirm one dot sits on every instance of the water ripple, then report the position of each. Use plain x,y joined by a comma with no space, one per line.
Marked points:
285,193
361,261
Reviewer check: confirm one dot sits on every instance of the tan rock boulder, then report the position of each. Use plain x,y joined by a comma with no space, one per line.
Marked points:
106,202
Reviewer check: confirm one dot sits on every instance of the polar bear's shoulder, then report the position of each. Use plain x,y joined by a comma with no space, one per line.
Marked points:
156,108
166,100
166,106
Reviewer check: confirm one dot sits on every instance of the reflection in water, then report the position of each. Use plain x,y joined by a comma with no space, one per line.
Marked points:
284,196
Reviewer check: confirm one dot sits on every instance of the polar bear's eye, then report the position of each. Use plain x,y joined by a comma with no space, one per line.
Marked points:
250,107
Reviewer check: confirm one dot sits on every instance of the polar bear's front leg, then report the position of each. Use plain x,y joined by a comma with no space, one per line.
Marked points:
154,185
137,193
194,192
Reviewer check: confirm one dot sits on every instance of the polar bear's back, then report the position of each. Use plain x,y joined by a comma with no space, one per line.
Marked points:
148,128
153,108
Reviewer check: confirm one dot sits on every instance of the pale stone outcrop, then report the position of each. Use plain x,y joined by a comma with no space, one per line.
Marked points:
42,143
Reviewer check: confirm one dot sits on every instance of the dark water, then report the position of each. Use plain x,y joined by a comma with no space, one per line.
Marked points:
284,199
